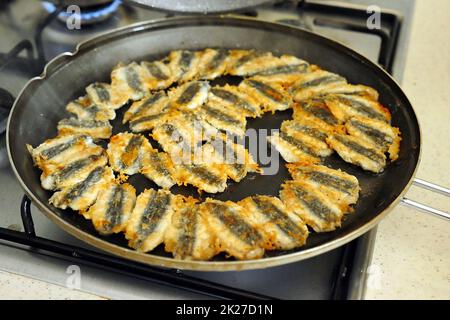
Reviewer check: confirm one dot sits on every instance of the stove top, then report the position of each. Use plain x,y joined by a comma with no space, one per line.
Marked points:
34,32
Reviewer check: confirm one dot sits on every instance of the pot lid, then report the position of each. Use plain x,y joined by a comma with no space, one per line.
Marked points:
201,6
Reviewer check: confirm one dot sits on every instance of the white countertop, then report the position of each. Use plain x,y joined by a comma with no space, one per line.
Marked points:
412,251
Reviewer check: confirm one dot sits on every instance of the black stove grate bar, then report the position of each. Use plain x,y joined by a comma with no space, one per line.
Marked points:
354,19
125,267
14,52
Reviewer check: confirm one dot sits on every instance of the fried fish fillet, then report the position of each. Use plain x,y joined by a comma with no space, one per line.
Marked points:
156,75
151,120
152,104
84,109
279,226
211,178
126,152
233,97
284,70
315,83
184,65
232,157
189,236
70,173
82,195
223,118
342,187
311,133
346,106
213,63
127,83
248,62
113,208
149,220
350,89
101,95
59,151
358,152
379,133
234,234
158,167
311,205
316,111
294,147
182,134
189,96
95,129
270,96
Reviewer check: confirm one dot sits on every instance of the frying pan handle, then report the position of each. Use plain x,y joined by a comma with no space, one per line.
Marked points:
422,207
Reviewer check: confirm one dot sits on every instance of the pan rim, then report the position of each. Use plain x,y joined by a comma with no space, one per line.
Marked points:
151,259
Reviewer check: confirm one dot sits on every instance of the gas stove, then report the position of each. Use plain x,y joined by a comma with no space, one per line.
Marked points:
34,32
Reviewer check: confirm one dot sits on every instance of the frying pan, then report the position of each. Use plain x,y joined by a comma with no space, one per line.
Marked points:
41,103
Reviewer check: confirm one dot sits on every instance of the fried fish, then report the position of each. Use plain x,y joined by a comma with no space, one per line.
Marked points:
342,187
311,205
113,208
234,234
279,226
358,152
189,236
93,128
82,195
126,152
149,220
379,133
271,96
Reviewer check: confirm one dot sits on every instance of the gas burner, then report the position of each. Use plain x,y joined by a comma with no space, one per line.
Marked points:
88,14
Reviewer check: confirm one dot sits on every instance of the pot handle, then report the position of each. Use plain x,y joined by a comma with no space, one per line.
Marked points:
424,208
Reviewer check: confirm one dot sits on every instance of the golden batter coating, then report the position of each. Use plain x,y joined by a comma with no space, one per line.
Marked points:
126,152
127,83
310,133
239,100
280,227
312,206
188,236
213,63
82,195
234,234
379,133
293,147
59,151
101,95
84,109
358,152
339,186
284,70
156,75
152,104
190,96
184,65
223,118
113,208
315,83
149,220
345,106
270,96
158,167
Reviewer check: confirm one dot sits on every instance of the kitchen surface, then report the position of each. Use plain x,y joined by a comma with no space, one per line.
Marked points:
406,257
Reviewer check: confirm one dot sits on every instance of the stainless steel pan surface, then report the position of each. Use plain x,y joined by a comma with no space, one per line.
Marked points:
41,104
